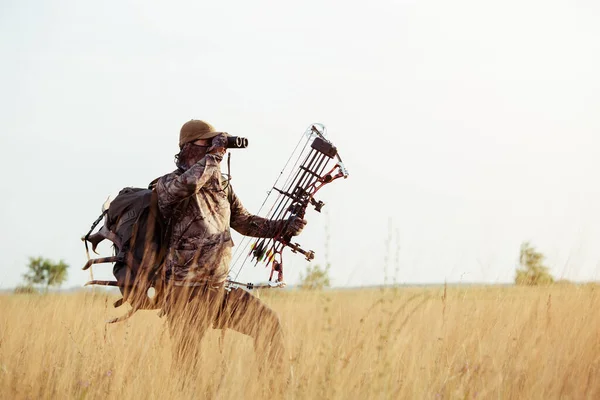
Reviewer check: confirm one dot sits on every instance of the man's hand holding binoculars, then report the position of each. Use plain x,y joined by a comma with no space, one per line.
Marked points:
218,145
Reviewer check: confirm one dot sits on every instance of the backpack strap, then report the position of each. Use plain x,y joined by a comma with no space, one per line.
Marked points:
152,185
166,227
229,193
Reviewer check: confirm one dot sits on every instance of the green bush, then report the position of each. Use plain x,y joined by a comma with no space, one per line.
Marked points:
316,278
45,273
532,271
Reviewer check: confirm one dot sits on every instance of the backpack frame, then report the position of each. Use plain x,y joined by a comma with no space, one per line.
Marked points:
140,237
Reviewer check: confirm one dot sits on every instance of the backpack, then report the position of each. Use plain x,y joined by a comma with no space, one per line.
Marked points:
132,222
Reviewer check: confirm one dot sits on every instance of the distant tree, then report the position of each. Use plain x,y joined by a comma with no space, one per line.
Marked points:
316,278
46,273
532,271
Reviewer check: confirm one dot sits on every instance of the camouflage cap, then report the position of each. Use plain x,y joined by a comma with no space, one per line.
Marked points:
196,129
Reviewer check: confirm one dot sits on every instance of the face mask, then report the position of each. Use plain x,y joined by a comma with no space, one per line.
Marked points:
189,155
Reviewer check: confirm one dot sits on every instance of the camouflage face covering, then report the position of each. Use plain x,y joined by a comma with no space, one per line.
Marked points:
189,154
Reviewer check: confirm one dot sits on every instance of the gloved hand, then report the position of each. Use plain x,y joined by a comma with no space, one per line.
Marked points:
294,226
218,145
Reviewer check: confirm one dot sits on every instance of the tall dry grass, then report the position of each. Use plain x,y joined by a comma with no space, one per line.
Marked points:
480,342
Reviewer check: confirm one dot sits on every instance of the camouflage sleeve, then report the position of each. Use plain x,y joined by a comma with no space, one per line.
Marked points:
174,188
251,225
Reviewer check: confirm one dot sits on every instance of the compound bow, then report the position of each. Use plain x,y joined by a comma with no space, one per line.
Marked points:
297,193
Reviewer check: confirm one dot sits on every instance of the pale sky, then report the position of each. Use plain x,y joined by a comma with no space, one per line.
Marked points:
471,126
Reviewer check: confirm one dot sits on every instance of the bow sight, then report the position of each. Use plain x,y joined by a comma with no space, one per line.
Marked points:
298,192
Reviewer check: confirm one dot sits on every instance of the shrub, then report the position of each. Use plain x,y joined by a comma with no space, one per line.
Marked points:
532,271
316,278
45,272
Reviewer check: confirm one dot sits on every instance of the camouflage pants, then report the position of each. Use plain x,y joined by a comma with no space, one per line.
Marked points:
191,311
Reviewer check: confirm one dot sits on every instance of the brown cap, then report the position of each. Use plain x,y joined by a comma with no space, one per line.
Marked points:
196,129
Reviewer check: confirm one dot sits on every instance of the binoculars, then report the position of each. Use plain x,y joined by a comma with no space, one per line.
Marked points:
236,142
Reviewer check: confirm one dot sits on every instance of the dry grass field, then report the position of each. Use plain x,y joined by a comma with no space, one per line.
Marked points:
413,343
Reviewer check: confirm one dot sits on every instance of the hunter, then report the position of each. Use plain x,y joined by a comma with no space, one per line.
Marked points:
201,207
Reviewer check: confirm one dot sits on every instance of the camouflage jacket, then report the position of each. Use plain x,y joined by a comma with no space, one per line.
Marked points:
200,244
